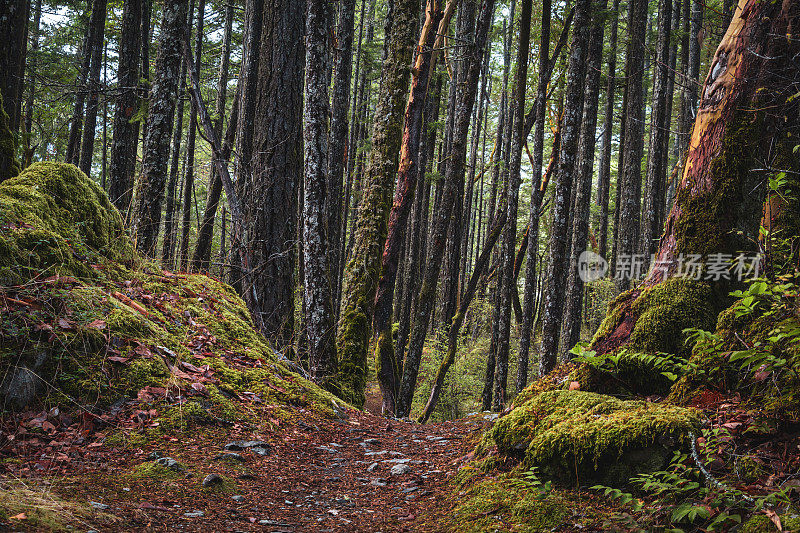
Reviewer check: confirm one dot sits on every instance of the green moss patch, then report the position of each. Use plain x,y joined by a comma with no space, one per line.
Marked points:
564,432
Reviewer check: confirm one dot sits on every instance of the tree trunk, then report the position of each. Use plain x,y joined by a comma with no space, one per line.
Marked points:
13,21
163,95
571,329
98,23
126,131
340,107
604,178
720,199
387,364
657,159
510,230
272,165
557,257
32,71
631,170
454,173
361,275
170,227
201,257
317,283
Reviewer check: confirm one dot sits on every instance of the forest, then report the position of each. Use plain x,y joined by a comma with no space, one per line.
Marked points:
400,265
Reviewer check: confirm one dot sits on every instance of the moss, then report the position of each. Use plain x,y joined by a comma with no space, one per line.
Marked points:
119,324
507,503
9,165
760,523
352,349
707,217
55,219
564,431
153,471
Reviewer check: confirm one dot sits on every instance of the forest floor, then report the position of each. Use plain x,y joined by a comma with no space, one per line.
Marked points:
361,472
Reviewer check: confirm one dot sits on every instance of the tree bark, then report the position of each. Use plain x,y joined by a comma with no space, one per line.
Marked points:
573,112
510,230
98,23
361,275
170,226
126,131
454,173
740,124
147,216
387,364
317,283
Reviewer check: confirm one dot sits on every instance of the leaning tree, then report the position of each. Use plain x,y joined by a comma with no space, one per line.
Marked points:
745,133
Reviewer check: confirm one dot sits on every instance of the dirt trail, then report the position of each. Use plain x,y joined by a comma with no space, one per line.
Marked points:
359,473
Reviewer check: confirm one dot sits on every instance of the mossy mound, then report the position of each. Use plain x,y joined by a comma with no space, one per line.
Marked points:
596,436
508,502
55,220
760,523
653,318
90,323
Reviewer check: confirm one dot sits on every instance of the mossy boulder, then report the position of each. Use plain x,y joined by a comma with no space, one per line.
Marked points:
55,220
598,437
760,523
88,322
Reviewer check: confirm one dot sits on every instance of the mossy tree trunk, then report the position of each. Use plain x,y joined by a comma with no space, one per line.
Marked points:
387,363
454,173
741,137
361,274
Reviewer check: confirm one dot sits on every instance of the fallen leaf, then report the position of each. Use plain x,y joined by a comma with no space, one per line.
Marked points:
20,516
574,385
97,324
118,359
773,516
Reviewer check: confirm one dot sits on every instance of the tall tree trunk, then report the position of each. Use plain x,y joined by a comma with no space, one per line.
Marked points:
13,22
454,173
147,216
571,329
76,124
720,200
340,107
361,275
98,23
604,178
188,189
573,112
272,164
126,131
387,364
317,283
510,230
170,226
31,68
201,257
631,171
657,159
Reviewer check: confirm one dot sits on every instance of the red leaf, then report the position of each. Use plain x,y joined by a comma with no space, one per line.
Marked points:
118,359
97,324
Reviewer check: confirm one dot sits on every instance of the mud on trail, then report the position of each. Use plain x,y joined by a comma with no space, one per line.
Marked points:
360,472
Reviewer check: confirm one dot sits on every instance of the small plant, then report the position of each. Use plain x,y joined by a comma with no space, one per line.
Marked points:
541,489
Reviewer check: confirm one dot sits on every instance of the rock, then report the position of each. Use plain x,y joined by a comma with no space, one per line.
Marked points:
371,441
229,456
273,523
212,480
397,461
239,445
99,506
326,449
238,498
260,450
372,467
378,482
154,455
194,514
170,463
399,470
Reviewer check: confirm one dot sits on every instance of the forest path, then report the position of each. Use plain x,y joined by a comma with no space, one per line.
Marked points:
359,473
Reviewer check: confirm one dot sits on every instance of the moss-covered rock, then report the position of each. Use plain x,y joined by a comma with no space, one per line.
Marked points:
760,523
55,220
89,322
596,436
